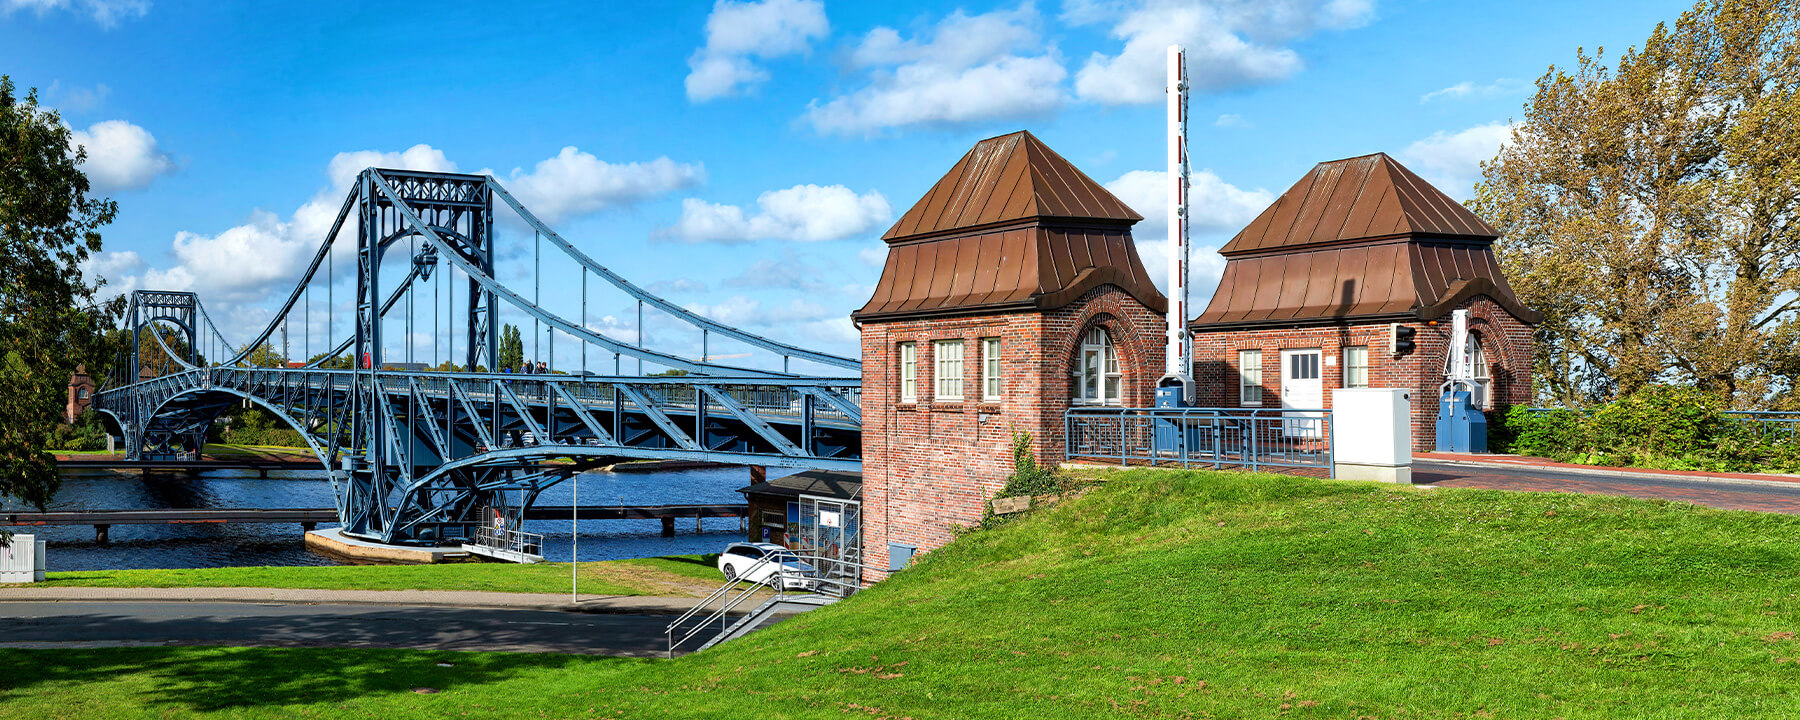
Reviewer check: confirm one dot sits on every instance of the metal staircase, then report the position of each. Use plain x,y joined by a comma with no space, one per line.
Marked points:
837,579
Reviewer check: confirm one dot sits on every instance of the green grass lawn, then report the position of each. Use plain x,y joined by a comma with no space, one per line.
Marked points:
1162,594
648,576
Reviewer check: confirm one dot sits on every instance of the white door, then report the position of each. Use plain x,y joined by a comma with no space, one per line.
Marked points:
1302,388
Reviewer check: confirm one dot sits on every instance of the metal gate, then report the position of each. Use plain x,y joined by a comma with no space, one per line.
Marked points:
831,533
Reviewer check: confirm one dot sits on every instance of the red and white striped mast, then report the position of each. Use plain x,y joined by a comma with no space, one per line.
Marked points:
1178,368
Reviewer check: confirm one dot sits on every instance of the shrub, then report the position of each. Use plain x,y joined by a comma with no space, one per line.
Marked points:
87,433
1660,420
1552,433
1028,477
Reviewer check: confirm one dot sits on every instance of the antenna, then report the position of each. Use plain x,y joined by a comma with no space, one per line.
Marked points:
1178,365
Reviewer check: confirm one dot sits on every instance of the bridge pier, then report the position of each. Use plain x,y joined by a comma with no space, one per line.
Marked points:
668,522
102,533
308,526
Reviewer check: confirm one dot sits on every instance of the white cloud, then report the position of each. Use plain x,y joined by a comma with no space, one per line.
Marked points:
873,255
1216,205
120,155
969,70
678,285
1219,210
1230,43
78,99
575,183
1469,90
739,310
107,13
1452,161
789,272
803,213
1231,120
739,31
243,265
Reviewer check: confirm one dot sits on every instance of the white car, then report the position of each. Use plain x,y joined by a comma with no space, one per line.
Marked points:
766,564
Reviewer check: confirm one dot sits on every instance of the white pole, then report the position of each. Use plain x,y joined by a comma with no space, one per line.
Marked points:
1178,366
574,533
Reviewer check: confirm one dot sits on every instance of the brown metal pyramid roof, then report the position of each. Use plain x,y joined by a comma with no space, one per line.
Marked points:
1013,226
1358,198
1005,179
1362,238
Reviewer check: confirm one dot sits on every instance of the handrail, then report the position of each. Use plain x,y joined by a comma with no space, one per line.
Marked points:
779,584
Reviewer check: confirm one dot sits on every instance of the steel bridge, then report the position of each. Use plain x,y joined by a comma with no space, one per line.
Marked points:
417,451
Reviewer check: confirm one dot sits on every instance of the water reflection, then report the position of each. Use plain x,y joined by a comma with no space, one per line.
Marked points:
224,545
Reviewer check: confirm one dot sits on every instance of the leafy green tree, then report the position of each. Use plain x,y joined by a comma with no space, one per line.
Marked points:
341,362
49,320
512,348
264,355
1650,210
154,360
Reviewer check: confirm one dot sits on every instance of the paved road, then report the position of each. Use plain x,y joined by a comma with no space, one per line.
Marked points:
1767,496
96,624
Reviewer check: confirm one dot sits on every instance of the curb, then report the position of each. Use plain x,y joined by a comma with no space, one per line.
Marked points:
1607,472
591,605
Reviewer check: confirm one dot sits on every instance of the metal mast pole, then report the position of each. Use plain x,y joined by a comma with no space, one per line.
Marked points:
1178,366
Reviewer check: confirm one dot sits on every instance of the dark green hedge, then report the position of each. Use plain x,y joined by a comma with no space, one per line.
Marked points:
1662,426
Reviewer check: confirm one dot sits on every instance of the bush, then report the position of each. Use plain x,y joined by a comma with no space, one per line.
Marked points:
1660,420
87,433
1661,426
253,426
1552,434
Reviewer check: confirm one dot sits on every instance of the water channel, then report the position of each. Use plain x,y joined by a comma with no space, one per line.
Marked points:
72,547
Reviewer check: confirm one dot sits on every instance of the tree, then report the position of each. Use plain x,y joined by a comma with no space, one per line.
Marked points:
49,320
264,355
1651,211
512,348
341,362
154,358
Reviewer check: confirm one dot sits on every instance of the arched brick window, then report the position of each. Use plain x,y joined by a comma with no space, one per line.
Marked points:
1098,379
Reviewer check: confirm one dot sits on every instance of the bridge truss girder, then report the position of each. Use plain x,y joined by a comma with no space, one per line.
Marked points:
458,442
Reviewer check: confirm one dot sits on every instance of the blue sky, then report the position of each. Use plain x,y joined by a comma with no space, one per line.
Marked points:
744,158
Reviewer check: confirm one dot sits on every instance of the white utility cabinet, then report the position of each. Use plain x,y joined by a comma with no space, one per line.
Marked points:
22,560
1372,434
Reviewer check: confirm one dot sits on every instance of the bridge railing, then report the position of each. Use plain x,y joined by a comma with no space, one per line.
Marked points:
1216,437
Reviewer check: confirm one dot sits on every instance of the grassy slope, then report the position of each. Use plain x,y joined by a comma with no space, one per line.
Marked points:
1165,594
613,577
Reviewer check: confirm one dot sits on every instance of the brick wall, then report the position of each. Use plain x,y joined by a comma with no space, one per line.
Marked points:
1506,342
930,466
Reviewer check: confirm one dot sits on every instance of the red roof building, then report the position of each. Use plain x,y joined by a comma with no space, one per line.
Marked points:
1315,286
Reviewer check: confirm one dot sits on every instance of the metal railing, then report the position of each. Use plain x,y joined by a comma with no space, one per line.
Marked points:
512,541
1219,437
834,582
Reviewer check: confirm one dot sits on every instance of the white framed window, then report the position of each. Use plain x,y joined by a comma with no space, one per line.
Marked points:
949,354
1250,377
990,369
1477,360
1356,366
909,372
1098,380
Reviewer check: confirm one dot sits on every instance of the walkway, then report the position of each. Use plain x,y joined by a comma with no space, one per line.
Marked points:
1731,491
71,617
115,624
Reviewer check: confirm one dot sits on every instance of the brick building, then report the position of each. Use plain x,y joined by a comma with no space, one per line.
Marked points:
1010,291
1314,287
81,394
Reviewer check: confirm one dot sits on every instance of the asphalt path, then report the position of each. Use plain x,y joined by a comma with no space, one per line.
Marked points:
114,624
1761,496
